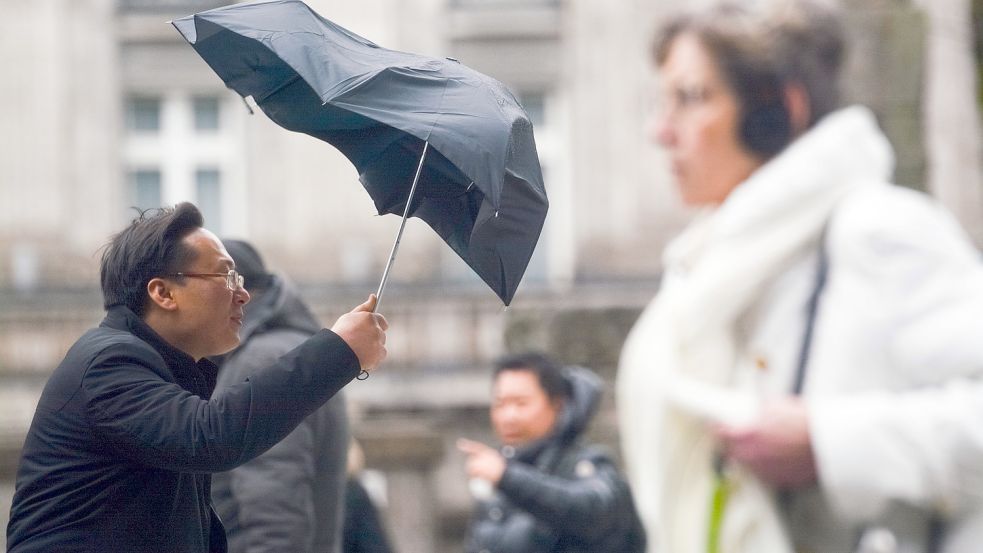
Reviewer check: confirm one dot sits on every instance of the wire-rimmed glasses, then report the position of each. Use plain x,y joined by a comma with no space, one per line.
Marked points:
233,280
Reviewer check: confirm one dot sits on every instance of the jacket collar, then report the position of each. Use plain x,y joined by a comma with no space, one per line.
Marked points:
122,318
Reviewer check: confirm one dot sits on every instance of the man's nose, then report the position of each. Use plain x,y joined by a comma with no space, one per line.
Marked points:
241,296
512,414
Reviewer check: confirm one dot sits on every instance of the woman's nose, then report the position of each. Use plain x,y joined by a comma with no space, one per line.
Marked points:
661,130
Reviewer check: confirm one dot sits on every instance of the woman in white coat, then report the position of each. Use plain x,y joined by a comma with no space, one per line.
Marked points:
809,376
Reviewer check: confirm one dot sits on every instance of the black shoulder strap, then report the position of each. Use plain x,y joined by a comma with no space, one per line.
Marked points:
813,307
785,496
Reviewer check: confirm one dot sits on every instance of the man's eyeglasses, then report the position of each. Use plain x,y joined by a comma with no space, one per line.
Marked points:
233,280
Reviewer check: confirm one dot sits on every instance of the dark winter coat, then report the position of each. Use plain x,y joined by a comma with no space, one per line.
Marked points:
126,434
364,531
289,498
558,495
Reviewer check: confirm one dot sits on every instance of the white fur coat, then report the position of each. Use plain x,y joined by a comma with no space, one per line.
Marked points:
733,293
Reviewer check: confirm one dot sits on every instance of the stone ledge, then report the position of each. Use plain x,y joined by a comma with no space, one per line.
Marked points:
399,445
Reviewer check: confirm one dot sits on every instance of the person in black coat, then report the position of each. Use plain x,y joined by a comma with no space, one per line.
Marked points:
127,432
290,497
364,530
544,491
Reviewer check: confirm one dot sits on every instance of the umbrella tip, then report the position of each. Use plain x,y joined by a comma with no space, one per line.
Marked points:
246,102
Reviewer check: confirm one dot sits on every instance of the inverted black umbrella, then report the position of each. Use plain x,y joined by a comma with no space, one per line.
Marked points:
431,138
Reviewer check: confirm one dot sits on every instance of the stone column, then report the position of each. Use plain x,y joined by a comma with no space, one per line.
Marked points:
951,116
408,452
885,70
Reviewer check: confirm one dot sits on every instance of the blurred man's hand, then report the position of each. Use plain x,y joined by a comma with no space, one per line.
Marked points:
777,447
365,332
483,461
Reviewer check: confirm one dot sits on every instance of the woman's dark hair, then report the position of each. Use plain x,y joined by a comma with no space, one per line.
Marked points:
549,373
149,247
761,46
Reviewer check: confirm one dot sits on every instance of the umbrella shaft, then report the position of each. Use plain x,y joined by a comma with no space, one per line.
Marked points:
402,225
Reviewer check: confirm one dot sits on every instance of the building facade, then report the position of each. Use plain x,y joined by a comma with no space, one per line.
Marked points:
104,107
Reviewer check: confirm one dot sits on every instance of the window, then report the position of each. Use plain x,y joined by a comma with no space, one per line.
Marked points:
208,191
145,191
535,105
538,268
196,155
206,113
143,114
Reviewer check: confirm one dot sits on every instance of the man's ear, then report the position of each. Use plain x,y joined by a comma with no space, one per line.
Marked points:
797,104
161,294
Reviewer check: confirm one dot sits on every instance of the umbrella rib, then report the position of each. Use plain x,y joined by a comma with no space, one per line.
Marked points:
402,225
246,103
279,87
484,142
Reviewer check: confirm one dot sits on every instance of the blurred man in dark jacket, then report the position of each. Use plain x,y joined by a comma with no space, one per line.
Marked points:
545,492
365,529
127,432
289,498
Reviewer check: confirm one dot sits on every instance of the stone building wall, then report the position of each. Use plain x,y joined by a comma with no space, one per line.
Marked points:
585,64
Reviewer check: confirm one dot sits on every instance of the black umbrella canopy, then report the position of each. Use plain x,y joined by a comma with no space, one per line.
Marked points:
481,186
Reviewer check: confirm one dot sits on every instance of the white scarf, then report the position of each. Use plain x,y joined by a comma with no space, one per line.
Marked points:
677,366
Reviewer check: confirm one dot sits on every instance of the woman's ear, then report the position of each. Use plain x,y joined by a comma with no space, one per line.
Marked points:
161,294
797,104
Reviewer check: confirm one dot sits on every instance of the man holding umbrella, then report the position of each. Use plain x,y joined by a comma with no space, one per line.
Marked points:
127,432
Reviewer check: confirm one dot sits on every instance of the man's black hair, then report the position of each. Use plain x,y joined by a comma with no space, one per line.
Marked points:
546,369
149,247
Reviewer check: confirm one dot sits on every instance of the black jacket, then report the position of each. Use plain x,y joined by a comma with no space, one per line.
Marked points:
364,531
558,495
289,498
120,451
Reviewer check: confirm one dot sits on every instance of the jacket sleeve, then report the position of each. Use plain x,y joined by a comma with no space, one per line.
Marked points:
913,433
586,506
150,420
923,447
